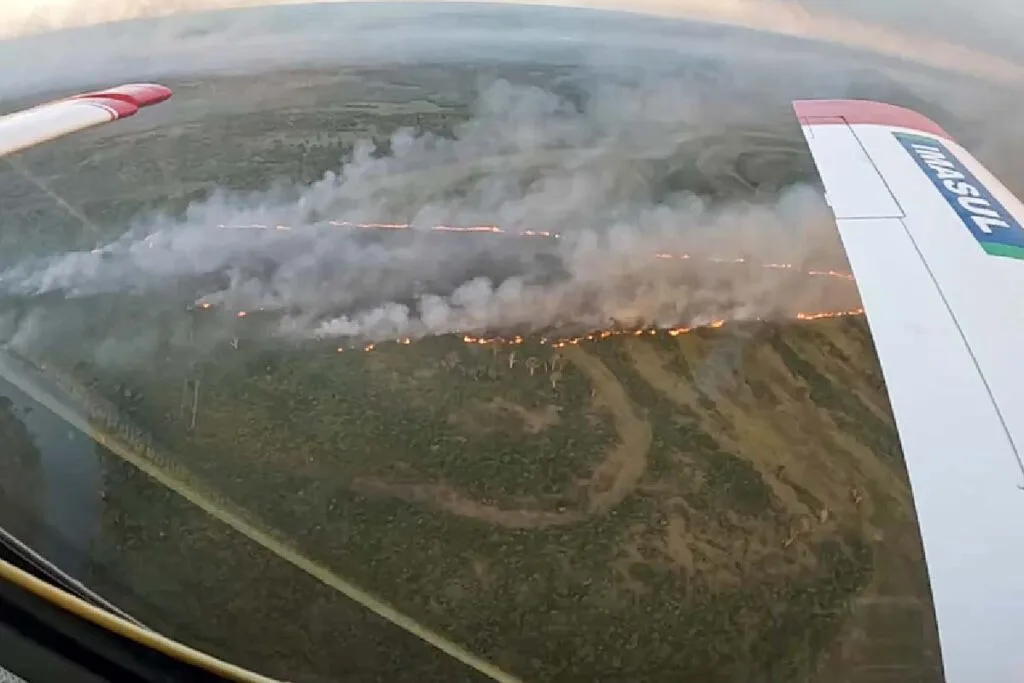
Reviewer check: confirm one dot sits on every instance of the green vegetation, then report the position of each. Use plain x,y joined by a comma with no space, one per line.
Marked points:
710,507
588,528
292,138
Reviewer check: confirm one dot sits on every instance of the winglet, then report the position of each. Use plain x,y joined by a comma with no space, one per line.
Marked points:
865,112
125,100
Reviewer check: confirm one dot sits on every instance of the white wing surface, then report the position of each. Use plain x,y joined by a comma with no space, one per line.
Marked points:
937,248
55,119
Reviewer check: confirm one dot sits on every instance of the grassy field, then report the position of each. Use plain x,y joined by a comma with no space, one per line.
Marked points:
729,503
725,505
75,192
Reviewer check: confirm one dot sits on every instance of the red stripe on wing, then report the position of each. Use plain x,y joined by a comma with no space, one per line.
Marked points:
865,112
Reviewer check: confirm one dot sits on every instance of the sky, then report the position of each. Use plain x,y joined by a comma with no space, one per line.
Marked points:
979,38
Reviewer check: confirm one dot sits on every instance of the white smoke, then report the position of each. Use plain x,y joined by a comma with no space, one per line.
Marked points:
527,160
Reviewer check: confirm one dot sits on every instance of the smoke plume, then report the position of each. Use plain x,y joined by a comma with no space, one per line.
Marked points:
608,173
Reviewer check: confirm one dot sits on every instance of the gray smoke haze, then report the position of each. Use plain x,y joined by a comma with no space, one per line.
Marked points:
528,160
981,40
992,26
196,37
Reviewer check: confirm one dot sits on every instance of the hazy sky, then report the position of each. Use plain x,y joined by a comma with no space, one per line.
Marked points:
980,37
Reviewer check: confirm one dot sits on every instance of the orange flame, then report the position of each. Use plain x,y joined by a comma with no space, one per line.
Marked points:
598,335
494,229
590,336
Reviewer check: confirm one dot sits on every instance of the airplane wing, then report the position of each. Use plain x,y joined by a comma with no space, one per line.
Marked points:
29,127
936,245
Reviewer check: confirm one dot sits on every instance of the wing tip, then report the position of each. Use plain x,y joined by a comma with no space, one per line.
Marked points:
143,94
126,100
867,112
